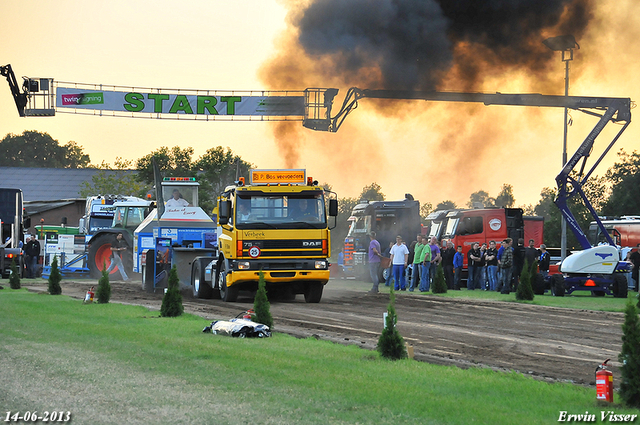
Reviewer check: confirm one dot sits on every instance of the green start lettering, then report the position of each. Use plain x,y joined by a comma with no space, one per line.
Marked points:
181,104
208,103
135,102
157,101
205,104
231,103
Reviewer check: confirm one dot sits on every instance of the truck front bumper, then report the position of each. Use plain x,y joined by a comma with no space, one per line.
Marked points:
279,270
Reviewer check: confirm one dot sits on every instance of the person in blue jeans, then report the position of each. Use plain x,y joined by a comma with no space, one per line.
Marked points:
492,266
473,266
425,263
458,260
399,258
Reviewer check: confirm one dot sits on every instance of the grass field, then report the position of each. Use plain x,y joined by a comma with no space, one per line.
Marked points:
123,364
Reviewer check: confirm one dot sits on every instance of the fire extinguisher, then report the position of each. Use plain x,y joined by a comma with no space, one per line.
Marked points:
88,298
604,383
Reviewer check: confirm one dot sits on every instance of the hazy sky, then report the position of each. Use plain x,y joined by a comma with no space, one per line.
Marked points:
434,151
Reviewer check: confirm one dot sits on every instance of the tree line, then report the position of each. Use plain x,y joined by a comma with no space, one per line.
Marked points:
615,194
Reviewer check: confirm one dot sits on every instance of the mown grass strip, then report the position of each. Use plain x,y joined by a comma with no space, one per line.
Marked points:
139,368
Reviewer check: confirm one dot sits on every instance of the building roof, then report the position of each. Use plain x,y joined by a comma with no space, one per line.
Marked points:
39,207
47,184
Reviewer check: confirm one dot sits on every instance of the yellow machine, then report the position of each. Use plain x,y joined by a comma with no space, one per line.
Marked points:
277,224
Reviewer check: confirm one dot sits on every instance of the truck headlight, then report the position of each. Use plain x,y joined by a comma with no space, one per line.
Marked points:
321,264
243,265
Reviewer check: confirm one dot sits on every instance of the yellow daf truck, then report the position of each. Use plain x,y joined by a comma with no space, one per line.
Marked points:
276,224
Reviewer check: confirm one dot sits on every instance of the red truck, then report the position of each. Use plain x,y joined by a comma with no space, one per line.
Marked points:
465,226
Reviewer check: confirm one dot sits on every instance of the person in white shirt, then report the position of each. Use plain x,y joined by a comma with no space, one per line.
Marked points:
177,200
399,257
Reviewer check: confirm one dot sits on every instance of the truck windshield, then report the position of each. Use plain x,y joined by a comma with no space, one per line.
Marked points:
177,195
452,225
99,223
361,225
436,230
281,211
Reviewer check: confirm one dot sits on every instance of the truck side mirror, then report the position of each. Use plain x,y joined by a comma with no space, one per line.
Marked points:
224,212
333,207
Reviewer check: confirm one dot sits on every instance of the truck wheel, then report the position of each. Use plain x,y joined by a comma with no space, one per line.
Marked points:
620,286
200,287
538,284
228,294
385,274
99,255
313,292
557,285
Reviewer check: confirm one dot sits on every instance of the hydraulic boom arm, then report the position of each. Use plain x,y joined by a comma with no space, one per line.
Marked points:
606,108
18,97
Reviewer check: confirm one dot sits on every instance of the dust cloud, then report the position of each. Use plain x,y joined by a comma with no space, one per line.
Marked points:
445,45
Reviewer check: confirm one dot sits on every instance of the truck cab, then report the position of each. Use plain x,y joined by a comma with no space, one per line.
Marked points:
388,219
276,225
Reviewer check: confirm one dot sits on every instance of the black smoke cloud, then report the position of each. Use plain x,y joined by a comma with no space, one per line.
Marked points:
411,43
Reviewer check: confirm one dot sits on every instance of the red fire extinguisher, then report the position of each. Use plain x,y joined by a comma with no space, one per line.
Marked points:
604,383
88,298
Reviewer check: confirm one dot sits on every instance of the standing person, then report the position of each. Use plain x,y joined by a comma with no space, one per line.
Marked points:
473,266
117,248
544,260
518,262
503,245
506,264
408,273
341,263
374,261
447,264
436,257
491,258
425,260
458,260
483,268
399,259
531,254
635,260
32,252
418,248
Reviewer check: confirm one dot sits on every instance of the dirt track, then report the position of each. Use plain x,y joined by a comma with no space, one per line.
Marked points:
544,342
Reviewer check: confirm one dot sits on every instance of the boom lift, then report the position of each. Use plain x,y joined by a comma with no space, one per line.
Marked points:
597,269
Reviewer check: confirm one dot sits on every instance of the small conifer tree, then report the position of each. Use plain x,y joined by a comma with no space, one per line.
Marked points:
439,283
390,344
172,300
525,291
261,305
630,357
103,293
14,277
54,278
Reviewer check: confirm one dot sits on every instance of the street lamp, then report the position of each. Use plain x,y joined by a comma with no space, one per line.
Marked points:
564,44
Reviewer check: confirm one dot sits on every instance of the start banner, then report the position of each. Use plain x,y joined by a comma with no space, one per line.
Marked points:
175,103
